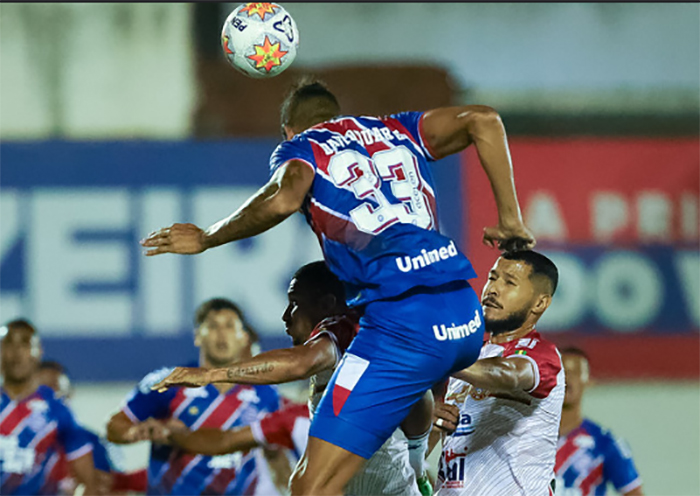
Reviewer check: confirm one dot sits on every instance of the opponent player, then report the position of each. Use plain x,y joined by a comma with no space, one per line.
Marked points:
35,426
223,338
321,328
507,406
588,456
366,189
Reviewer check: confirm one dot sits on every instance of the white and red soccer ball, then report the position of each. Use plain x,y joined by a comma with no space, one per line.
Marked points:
260,39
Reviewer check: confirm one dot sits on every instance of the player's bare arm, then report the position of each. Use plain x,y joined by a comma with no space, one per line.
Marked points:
271,367
283,195
83,468
121,430
213,442
500,374
450,130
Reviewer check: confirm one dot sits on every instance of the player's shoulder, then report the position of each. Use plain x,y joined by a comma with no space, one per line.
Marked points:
341,326
532,342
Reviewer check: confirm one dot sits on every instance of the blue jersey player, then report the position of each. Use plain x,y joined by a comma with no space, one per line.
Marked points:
588,456
365,187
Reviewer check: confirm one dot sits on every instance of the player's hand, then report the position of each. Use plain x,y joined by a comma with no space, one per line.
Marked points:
185,239
148,430
445,416
184,376
509,238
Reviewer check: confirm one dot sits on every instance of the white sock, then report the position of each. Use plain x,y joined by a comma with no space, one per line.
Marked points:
417,448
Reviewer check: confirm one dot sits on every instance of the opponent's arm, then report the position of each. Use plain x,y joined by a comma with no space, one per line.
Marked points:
283,195
271,367
450,130
213,442
500,374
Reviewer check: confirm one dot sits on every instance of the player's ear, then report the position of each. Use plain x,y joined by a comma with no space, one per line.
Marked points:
541,304
197,337
327,302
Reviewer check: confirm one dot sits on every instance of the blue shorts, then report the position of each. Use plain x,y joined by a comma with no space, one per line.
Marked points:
404,346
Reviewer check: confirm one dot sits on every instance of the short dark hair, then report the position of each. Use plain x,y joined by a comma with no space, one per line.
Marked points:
216,304
318,279
541,265
309,102
53,365
21,323
573,350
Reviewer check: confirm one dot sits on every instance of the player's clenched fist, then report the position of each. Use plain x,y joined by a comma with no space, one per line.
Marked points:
445,416
509,238
184,376
185,239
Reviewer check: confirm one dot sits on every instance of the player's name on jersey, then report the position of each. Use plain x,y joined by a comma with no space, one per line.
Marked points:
443,332
365,137
407,263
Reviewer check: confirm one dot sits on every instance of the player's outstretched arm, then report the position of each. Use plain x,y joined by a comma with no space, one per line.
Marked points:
271,367
278,199
84,470
213,442
450,130
499,374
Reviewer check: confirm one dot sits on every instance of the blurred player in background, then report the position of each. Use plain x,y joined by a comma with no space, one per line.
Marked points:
365,186
223,338
321,327
36,428
589,457
503,412
53,375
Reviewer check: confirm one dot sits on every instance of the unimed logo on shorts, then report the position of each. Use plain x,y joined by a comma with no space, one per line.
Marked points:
443,332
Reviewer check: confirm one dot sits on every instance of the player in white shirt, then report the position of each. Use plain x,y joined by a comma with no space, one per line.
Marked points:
502,413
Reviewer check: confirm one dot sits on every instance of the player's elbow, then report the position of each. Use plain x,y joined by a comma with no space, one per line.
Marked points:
482,118
301,370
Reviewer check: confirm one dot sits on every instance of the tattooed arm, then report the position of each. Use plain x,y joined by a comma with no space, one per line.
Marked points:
271,367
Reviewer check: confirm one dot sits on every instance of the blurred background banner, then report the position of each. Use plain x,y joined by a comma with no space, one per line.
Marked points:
72,217
619,217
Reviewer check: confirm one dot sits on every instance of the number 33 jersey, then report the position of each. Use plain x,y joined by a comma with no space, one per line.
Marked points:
372,205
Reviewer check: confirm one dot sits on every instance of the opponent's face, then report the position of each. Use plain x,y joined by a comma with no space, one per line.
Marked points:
302,313
222,338
508,296
58,381
20,352
576,373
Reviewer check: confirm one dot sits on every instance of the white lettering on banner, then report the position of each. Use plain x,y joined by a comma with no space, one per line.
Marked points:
543,217
443,332
609,215
689,216
254,272
10,230
57,262
654,211
407,263
688,269
161,278
628,290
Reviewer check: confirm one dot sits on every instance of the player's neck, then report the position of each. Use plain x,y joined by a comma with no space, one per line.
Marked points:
17,390
505,337
571,418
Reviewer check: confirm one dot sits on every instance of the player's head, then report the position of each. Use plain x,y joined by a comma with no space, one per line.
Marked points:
20,351
55,376
222,333
314,294
518,291
308,103
577,372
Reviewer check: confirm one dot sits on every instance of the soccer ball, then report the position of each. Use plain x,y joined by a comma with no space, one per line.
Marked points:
260,39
